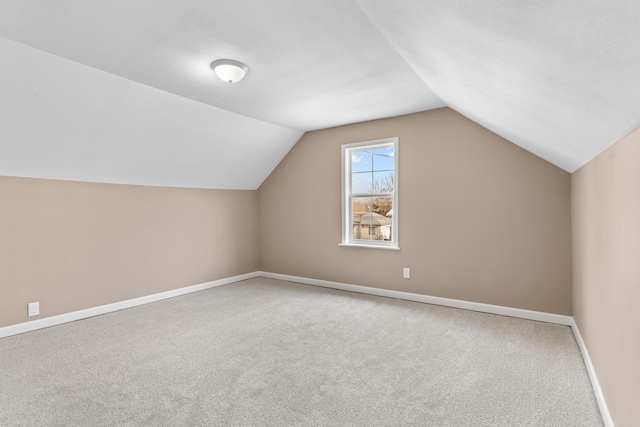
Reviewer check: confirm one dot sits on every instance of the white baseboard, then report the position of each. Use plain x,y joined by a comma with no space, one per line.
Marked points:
447,302
108,308
604,409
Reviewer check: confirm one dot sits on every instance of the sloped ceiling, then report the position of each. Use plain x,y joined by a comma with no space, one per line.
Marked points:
559,78
121,91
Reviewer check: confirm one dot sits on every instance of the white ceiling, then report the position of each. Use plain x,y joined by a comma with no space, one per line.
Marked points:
559,78
121,91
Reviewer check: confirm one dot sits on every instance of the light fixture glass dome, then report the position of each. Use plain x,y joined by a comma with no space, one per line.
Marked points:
228,70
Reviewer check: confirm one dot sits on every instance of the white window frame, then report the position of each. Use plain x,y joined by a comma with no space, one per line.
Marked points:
347,224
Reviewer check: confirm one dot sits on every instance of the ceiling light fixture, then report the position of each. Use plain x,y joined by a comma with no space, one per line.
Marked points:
228,70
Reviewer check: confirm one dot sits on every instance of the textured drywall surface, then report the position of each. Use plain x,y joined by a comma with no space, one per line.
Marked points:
73,245
480,218
606,272
558,78
68,121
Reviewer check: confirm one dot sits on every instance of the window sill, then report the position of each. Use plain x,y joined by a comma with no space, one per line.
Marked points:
353,245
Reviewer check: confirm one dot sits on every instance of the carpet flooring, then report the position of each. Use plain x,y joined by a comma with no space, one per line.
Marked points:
267,352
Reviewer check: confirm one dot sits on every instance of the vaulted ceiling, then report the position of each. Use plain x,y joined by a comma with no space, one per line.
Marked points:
121,91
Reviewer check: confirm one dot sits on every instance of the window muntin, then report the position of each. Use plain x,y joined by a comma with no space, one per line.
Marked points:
369,181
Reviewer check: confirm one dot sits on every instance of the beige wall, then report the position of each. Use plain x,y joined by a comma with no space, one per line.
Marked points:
481,219
606,271
72,245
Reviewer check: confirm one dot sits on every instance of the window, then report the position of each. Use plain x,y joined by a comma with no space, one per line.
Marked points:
370,194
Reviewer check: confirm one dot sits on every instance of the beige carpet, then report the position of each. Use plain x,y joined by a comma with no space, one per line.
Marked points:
266,352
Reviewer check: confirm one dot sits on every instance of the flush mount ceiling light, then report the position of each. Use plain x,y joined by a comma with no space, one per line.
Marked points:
228,70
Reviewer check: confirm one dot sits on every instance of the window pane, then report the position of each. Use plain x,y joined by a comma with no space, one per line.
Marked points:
382,206
382,213
383,182
361,182
360,217
383,159
361,161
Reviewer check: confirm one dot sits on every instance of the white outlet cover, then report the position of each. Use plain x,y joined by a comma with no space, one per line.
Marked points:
406,273
33,309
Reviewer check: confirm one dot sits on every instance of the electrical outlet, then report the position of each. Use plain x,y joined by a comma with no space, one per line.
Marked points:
33,308
406,273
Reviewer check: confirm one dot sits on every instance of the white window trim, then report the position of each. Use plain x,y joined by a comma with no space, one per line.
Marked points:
347,226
